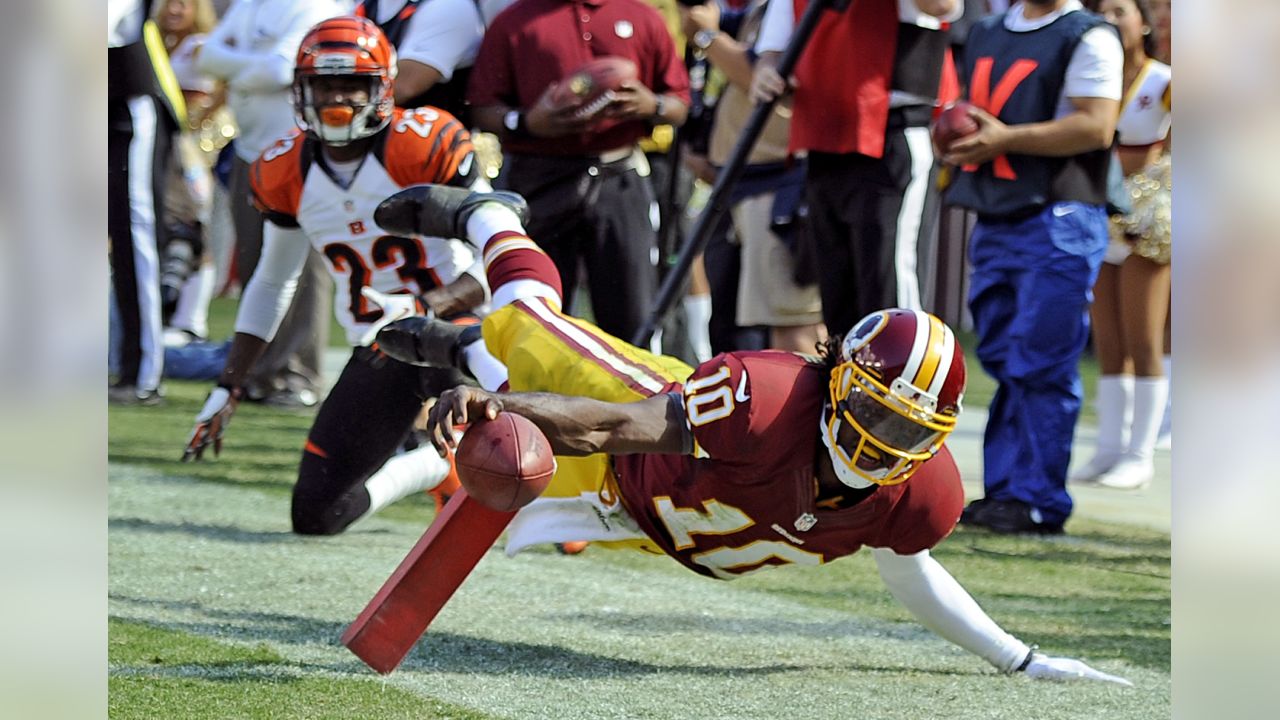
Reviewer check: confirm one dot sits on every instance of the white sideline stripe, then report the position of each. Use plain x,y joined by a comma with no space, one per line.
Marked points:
600,352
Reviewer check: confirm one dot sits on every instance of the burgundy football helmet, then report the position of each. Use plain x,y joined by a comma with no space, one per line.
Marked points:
898,386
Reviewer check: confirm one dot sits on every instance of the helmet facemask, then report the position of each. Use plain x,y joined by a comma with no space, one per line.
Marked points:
896,429
342,122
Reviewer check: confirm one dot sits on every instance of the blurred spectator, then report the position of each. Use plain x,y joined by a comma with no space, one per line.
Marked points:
187,273
144,110
1046,80
769,192
436,43
252,49
587,183
1162,29
1132,293
865,90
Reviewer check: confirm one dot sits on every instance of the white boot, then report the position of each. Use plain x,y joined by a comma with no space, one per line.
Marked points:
1164,441
1135,468
405,474
1114,405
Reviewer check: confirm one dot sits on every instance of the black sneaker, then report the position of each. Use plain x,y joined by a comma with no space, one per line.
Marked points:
420,340
975,512
1010,517
439,210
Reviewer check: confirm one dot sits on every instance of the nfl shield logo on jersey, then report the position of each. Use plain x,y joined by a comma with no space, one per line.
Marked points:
806,522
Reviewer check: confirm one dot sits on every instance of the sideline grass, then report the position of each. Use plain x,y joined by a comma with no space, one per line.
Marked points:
244,617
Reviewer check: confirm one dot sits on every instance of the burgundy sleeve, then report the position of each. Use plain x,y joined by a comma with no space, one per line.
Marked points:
721,423
929,507
493,81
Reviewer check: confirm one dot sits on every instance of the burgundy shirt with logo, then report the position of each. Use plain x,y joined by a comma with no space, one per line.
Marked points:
534,43
746,498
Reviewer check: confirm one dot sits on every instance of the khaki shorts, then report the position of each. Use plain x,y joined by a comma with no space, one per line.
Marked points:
766,293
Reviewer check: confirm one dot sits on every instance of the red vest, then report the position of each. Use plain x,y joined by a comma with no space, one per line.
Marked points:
843,79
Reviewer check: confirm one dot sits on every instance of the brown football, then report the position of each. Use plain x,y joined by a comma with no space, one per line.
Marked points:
591,87
504,463
952,124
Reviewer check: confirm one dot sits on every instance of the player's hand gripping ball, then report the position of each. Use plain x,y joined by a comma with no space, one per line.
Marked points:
505,462
591,87
952,124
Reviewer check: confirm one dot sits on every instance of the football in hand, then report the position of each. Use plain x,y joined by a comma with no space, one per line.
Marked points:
505,462
591,87
952,124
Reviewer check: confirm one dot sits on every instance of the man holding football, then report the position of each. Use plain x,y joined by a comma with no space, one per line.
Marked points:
581,171
319,187
751,460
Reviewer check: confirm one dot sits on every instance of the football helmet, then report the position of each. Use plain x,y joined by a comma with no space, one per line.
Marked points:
343,47
897,385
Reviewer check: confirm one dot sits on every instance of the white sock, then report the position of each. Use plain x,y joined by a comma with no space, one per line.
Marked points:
1166,423
192,312
697,309
403,475
1149,397
484,367
490,219
1114,405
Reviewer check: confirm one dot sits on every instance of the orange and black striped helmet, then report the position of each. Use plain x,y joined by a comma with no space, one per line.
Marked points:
344,47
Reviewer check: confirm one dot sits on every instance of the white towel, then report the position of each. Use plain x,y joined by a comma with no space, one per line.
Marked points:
556,520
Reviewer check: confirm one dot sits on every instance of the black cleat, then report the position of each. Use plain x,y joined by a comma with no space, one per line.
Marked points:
440,210
425,341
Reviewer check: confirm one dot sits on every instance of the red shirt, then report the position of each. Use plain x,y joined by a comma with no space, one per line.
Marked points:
534,43
746,499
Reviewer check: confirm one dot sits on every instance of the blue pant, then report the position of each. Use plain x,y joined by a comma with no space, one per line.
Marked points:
1030,292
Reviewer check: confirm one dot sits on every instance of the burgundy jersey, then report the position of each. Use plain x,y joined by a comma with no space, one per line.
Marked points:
746,498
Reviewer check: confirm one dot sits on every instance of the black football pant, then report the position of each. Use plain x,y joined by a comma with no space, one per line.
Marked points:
367,415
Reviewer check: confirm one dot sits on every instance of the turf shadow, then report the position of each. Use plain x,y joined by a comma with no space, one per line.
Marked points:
212,532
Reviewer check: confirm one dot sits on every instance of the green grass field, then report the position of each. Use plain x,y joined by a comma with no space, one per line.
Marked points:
218,611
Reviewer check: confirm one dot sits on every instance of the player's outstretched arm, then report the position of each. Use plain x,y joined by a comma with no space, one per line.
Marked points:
262,306
941,604
574,425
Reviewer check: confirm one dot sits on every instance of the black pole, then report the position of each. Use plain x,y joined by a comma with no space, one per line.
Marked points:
717,203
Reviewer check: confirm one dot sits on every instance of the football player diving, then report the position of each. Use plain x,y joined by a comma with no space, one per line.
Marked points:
319,187
751,460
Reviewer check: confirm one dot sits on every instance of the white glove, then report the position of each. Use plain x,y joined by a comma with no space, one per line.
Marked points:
211,423
1043,667
394,307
